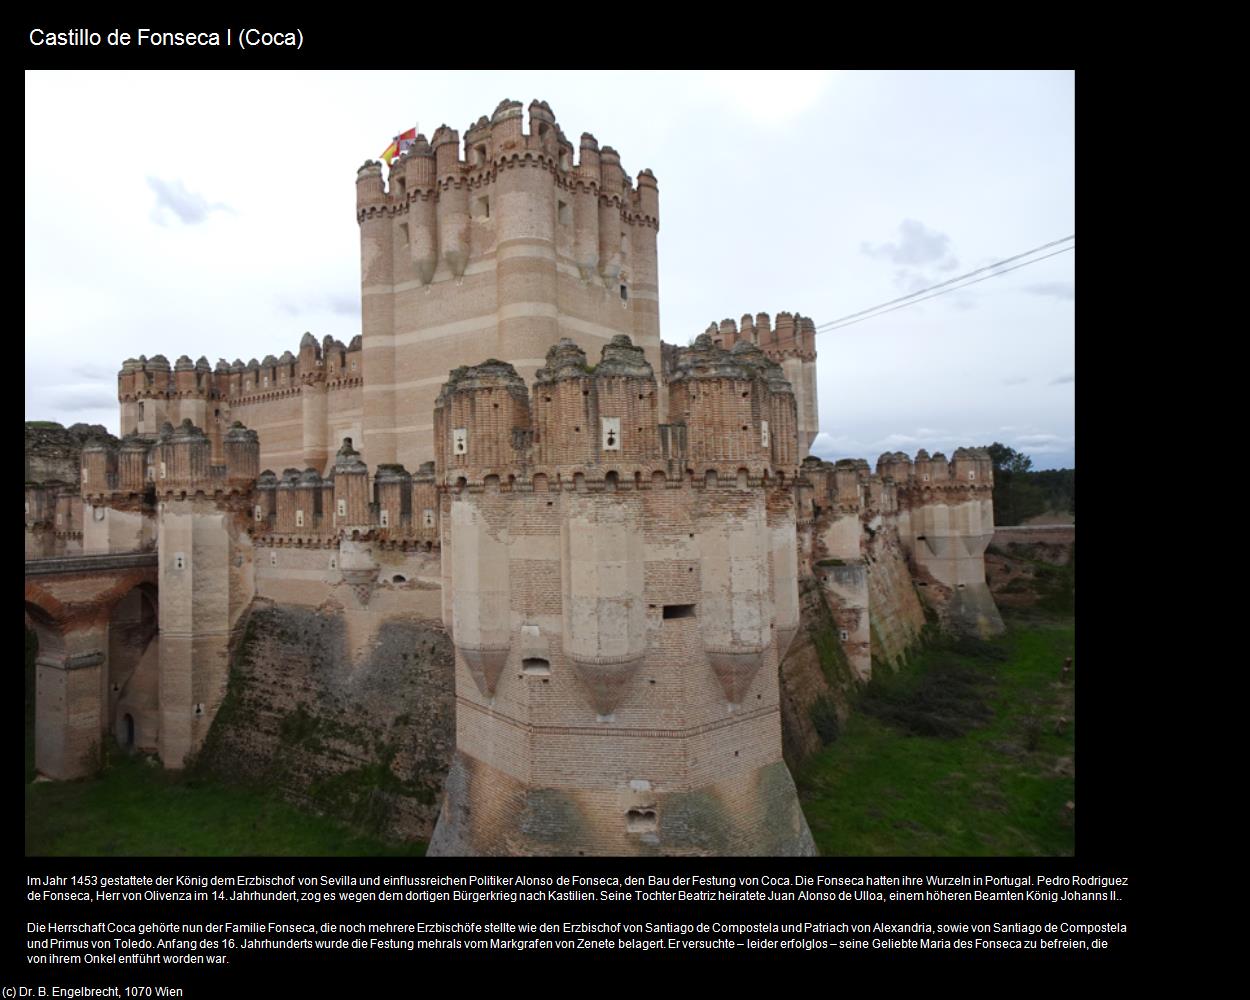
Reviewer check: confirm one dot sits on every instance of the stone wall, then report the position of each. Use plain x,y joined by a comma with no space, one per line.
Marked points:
366,739
54,452
817,682
822,671
1032,566
896,615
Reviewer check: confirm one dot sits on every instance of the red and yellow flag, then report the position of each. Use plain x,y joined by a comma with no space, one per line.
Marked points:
398,145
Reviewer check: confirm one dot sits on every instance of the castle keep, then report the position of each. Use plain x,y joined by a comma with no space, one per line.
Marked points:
617,535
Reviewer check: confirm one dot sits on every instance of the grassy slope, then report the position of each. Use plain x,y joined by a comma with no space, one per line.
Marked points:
957,754
137,808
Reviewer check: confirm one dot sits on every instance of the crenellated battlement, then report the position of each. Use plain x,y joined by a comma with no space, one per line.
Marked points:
790,342
330,361
792,334
731,419
391,506
443,164
940,510
182,461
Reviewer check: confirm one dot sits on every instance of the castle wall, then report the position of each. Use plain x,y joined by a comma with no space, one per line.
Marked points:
896,616
281,416
357,729
69,684
109,529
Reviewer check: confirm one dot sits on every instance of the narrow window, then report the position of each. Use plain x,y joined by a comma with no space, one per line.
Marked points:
180,560
342,508
386,518
843,634
403,232
763,433
429,518
460,440
259,515
299,519
624,293
162,470
481,207
564,213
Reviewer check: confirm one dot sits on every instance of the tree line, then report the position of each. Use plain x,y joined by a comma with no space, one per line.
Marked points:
1022,492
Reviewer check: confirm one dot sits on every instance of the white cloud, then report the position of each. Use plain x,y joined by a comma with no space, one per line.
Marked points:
173,199
767,97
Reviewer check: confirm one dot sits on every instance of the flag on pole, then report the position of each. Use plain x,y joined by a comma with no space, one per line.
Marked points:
399,145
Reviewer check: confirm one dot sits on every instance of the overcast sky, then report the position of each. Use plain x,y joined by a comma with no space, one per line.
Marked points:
214,214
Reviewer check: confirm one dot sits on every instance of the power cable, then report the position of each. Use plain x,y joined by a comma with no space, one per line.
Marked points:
958,282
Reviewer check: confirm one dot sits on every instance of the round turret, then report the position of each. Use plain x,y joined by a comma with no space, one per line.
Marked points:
480,415
132,463
724,407
370,192
241,447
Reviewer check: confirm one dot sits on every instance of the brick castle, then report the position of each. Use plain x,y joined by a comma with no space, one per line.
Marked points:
613,531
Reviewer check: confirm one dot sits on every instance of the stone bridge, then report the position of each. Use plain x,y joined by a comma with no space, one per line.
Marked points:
96,618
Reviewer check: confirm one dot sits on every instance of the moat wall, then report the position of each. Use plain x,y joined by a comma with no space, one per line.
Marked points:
365,738
365,733
817,682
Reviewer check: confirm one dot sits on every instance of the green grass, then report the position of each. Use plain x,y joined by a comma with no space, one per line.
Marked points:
137,808
959,753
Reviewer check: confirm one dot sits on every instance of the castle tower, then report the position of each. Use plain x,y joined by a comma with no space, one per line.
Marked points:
205,577
497,247
947,508
791,344
618,609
